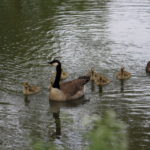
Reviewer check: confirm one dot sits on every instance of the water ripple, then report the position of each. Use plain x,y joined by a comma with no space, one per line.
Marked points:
83,34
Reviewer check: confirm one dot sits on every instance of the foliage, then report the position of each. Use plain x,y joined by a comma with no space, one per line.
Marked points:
108,133
43,146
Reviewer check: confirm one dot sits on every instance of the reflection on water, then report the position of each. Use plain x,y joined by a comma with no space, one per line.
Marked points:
101,89
83,34
58,125
26,100
55,108
121,85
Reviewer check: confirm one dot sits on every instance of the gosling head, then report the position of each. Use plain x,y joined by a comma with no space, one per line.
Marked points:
122,69
54,62
26,85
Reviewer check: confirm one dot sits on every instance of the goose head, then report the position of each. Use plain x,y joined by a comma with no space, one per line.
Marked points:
54,63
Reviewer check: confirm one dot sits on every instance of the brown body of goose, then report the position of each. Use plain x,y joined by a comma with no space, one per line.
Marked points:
69,90
123,74
30,89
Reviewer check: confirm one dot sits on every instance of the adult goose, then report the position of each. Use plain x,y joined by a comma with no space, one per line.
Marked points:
70,90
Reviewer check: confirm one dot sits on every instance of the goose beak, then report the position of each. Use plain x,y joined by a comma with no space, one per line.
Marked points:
49,62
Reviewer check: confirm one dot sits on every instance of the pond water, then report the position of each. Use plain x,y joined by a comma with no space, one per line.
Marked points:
82,34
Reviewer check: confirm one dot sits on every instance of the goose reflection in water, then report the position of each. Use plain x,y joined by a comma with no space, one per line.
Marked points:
57,124
55,109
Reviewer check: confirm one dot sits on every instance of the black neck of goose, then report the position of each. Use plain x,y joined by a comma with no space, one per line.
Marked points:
57,78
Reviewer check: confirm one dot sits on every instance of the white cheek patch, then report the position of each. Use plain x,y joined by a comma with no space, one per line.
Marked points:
55,64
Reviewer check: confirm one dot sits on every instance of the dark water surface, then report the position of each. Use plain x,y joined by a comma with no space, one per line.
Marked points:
83,34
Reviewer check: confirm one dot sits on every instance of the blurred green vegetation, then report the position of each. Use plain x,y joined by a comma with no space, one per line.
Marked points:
108,133
43,146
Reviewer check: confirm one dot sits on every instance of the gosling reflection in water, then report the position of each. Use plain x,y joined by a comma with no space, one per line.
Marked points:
122,86
92,86
26,100
100,90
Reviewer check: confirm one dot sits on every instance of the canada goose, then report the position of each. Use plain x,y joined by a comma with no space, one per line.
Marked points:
148,67
122,74
69,90
30,89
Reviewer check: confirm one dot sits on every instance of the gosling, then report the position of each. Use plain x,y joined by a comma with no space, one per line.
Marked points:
30,89
123,75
